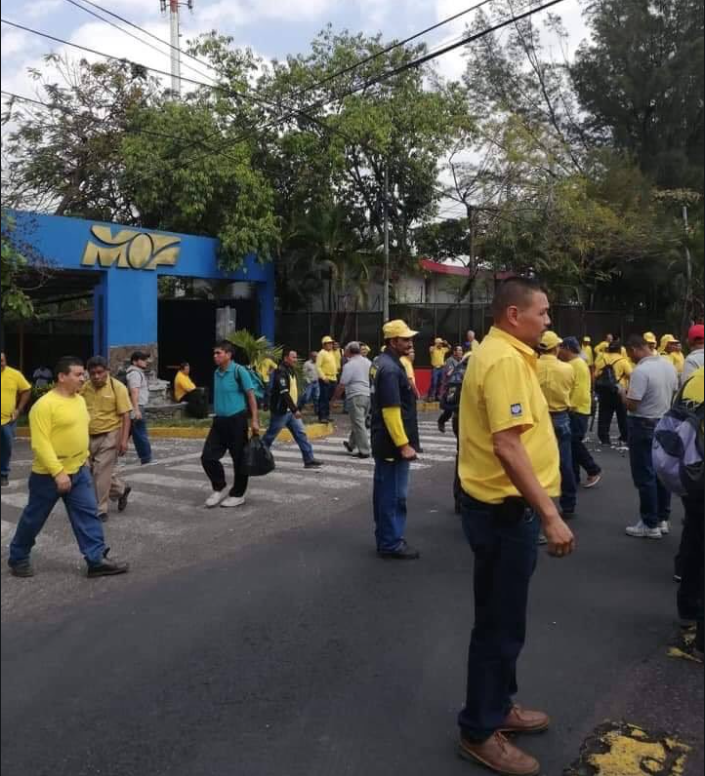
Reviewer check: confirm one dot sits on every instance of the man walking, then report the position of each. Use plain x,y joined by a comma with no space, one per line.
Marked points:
109,408
138,386
651,391
355,382
557,381
612,372
327,367
312,390
580,412
16,392
439,352
510,470
233,401
696,357
285,411
59,427
395,443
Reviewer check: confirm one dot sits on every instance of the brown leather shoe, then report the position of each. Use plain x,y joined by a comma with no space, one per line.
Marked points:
501,756
524,721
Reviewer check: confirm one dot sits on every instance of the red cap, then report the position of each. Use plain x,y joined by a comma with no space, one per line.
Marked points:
696,332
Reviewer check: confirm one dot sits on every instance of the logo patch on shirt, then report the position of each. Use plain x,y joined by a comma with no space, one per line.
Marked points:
517,410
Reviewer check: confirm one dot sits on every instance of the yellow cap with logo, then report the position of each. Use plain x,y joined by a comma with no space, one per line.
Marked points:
395,329
327,340
650,337
550,341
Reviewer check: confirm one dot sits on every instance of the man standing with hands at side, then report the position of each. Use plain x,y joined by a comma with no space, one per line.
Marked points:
395,442
327,376
510,471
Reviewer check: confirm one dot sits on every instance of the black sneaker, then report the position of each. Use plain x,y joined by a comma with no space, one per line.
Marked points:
4,481
107,568
103,517
122,501
22,570
348,447
405,552
313,465
363,456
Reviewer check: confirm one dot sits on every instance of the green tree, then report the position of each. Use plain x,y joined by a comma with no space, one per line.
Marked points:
16,303
641,80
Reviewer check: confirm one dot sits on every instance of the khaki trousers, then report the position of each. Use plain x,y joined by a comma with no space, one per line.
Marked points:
104,458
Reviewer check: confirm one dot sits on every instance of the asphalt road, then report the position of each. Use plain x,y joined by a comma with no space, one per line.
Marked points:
273,641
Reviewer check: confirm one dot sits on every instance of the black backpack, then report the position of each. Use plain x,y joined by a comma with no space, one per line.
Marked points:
607,381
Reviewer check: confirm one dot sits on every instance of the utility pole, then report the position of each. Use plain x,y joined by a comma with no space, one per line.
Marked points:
386,242
175,24
687,308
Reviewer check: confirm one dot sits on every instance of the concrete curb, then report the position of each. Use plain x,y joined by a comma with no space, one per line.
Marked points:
313,431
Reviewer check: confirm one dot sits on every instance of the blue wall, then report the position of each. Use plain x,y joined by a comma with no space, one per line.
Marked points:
128,297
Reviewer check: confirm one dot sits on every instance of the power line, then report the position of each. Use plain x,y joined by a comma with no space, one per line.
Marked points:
414,64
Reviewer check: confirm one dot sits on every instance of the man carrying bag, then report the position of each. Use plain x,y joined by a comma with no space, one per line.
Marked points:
234,395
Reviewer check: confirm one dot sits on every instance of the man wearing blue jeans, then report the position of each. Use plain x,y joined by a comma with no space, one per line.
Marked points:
59,424
509,472
395,442
16,392
285,410
652,387
138,386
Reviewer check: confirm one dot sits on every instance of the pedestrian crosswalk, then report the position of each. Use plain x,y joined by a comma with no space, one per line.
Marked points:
167,501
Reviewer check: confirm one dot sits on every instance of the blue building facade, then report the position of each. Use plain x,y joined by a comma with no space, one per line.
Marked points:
127,264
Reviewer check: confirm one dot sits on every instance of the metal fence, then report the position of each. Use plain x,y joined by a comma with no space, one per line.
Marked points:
303,330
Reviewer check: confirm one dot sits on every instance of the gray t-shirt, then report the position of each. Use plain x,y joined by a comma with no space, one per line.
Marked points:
310,373
356,377
653,384
136,378
694,361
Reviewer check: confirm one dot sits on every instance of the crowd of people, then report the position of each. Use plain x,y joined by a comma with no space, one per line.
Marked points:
521,402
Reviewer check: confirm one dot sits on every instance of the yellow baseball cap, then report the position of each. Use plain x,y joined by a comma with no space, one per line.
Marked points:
327,340
550,341
587,339
439,341
650,337
667,339
395,329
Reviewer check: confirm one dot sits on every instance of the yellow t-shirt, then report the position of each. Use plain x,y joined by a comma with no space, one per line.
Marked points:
502,391
13,383
265,369
602,348
581,397
183,384
59,430
327,365
677,359
557,381
338,355
438,356
695,387
623,367
589,355
106,405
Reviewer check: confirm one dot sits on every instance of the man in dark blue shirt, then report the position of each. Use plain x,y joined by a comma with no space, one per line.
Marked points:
234,400
395,442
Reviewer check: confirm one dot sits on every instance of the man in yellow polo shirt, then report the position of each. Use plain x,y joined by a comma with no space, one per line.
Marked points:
109,407
651,341
16,392
439,353
59,424
587,353
557,380
509,470
327,366
673,352
580,412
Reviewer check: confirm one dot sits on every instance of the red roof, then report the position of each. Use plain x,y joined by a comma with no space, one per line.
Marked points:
444,269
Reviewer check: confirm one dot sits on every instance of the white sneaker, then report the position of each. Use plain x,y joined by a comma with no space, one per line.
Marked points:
233,501
665,528
216,498
642,531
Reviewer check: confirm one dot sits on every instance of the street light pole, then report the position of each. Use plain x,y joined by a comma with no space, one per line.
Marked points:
386,242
